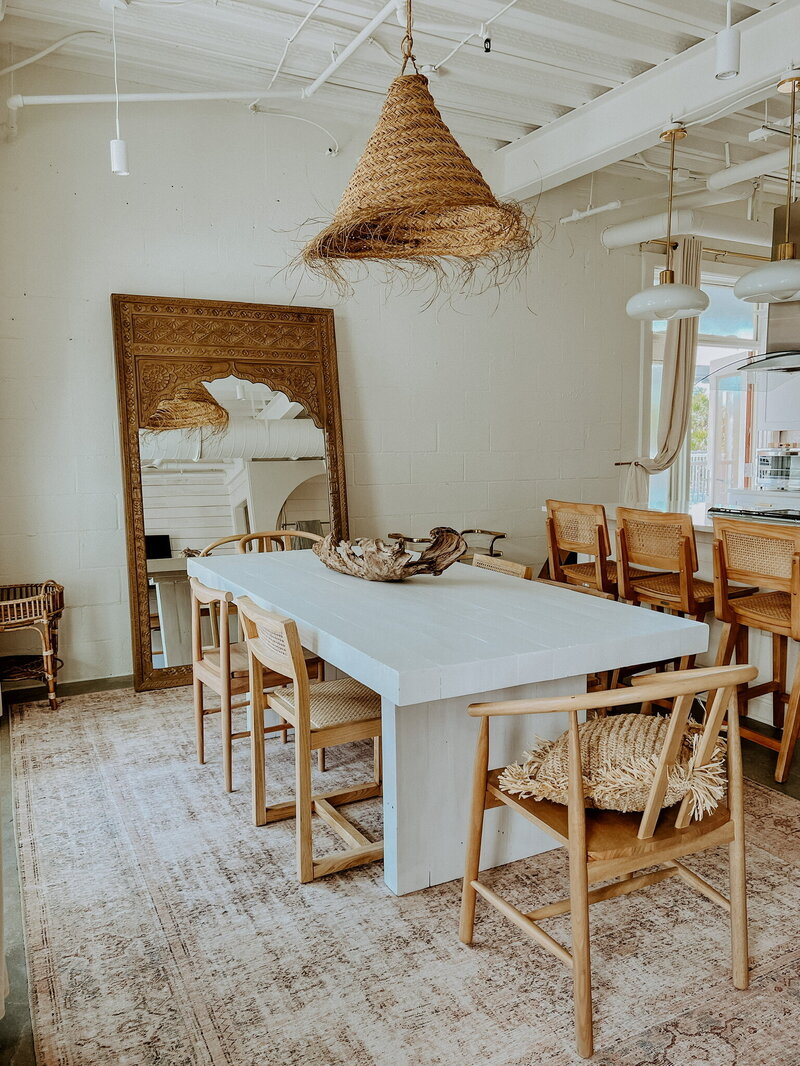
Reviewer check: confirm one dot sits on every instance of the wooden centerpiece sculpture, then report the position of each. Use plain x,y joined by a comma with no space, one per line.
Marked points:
373,560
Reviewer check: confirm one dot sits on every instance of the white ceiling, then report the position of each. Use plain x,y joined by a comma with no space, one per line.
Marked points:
548,57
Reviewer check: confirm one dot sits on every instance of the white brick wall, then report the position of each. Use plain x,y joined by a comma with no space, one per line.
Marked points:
469,412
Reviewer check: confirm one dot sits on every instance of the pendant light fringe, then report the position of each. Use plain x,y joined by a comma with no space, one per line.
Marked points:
192,406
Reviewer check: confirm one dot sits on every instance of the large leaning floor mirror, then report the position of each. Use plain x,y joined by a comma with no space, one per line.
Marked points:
230,424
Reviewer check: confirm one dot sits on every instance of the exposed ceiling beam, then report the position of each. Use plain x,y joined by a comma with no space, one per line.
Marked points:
281,406
628,119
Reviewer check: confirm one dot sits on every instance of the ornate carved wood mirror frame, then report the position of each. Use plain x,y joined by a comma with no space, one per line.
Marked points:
162,343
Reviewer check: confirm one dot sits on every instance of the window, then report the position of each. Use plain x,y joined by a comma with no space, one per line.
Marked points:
717,450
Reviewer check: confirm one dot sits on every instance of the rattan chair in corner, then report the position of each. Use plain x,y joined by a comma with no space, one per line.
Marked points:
769,556
38,606
606,845
323,715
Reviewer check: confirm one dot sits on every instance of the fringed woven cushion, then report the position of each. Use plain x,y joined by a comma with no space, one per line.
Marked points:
619,756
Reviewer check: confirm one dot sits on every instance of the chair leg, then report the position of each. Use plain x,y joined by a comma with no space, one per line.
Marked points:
742,656
227,742
736,856
321,759
303,805
581,959
199,722
791,727
779,651
727,644
257,757
475,834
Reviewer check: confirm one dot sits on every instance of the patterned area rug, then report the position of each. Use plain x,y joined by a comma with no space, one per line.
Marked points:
163,929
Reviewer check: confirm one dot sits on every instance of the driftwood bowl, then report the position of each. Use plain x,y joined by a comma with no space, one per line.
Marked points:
373,560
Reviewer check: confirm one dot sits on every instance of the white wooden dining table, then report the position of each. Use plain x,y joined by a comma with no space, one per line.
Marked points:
430,646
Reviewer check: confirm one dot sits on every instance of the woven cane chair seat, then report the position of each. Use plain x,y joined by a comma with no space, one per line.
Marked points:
332,702
668,586
585,572
772,608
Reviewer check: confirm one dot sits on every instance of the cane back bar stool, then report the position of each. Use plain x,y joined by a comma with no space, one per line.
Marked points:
768,555
607,844
223,668
580,528
665,542
38,606
327,714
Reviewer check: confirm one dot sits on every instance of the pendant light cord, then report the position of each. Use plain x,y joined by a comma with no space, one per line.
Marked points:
407,46
116,81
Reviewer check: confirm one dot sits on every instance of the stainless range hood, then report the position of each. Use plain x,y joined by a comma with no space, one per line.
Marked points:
783,322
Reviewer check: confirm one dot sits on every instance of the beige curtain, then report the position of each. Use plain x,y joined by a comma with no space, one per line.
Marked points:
677,382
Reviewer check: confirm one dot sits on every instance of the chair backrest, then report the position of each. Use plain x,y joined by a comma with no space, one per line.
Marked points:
681,687
657,538
759,554
575,527
209,548
276,540
502,566
220,605
274,642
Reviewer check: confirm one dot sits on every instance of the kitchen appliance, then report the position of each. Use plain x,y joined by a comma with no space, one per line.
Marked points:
786,514
778,468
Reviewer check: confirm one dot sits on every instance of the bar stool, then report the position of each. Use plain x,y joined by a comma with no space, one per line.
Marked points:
581,528
770,556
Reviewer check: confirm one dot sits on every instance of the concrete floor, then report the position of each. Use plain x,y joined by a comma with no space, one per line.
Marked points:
16,1039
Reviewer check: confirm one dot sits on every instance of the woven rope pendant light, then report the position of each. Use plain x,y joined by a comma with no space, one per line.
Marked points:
191,406
416,196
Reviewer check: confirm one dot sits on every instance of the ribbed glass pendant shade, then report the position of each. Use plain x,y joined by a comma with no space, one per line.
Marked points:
667,301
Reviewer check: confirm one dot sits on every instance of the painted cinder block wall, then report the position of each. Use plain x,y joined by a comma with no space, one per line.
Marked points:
467,412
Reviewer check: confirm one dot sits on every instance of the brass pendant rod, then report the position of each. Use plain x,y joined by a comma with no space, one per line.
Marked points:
669,199
790,176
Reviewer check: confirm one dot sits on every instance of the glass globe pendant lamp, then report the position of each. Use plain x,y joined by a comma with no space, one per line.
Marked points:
667,299
778,281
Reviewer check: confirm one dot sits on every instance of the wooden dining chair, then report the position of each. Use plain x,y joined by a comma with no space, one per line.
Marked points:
223,667
769,556
581,529
665,543
211,548
276,540
602,844
502,566
327,714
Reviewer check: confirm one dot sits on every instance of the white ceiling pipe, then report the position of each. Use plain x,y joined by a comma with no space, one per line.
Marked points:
14,103
753,168
690,223
245,438
701,198
357,41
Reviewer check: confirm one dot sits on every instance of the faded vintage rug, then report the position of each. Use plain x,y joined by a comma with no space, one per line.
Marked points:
163,929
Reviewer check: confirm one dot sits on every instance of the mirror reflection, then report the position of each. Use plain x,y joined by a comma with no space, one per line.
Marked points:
257,463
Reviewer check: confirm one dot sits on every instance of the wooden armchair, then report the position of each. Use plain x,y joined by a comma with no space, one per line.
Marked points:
276,540
605,844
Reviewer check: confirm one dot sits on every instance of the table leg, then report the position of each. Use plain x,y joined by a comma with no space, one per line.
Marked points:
428,749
